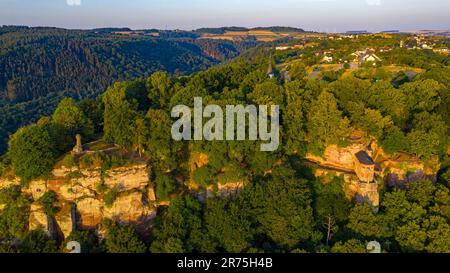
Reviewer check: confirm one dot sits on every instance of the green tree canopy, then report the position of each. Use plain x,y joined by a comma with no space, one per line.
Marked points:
32,152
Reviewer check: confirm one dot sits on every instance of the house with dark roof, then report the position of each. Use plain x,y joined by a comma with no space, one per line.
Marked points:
367,55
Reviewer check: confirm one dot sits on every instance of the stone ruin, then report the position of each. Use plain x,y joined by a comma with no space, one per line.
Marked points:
78,149
364,167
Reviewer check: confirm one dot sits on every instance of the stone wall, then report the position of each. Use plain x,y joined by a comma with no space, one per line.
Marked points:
397,170
364,170
368,192
337,157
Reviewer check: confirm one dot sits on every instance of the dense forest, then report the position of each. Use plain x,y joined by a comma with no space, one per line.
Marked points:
283,206
40,66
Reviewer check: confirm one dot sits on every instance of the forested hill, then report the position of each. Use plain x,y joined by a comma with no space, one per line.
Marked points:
39,66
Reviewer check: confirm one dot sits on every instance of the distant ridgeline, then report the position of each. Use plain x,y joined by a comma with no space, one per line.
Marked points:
39,66
222,30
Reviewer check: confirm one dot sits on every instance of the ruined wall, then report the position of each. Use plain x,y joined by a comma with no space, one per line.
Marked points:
337,157
364,170
395,170
368,192
365,173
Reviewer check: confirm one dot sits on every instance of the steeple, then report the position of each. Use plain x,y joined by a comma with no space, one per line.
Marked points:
270,73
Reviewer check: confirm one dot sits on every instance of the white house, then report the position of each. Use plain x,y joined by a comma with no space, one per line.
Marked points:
426,46
280,48
366,55
327,59
371,57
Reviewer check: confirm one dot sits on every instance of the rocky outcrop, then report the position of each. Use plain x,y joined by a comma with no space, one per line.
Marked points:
38,219
399,172
65,219
365,167
368,193
402,168
362,192
230,189
129,208
6,182
335,157
89,213
81,199
36,189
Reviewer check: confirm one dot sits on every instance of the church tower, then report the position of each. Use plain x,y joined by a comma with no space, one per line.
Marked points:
270,73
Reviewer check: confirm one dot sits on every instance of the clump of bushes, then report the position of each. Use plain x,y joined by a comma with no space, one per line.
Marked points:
111,196
49,203
232,173
70,161
165,185
122,239
88,240
204,176
101,187
86,161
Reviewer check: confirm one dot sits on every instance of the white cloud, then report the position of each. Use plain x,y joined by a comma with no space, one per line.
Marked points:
73,2
373,2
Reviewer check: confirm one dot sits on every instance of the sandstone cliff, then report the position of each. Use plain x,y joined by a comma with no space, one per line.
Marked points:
392,170
227,189
81,201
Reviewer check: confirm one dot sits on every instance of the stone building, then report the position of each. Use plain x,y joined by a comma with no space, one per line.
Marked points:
364,167
367,187
78,149
270,72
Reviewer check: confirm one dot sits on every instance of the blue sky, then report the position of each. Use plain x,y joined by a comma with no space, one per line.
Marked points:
318,15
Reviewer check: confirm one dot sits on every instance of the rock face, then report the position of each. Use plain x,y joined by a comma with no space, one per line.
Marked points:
65,219
38,219
368,162
81,200
230,189
129,208
368,192
89,213
358,167
363,192
9,182
399,172
402,168
37,189
338,157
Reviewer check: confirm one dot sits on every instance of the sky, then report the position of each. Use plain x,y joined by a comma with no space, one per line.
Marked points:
315,15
